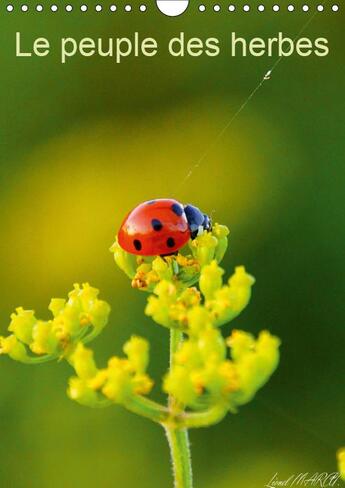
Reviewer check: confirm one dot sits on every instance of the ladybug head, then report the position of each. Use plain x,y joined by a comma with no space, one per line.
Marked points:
198,222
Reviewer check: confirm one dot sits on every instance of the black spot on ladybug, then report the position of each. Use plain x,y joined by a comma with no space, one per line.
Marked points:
156,224
177,209
151,202
137,244
170,242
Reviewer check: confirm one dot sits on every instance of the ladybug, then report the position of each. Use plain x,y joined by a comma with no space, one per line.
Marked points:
161,227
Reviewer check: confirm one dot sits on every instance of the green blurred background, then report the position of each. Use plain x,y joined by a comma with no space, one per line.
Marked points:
82,143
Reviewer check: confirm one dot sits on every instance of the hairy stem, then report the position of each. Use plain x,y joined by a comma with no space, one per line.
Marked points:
180,456
177,437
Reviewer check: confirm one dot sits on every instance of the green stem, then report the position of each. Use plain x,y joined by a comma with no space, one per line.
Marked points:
180,456
39,359
147,408
178,438
203,419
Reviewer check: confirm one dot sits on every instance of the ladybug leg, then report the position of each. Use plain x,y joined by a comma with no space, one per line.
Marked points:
194,234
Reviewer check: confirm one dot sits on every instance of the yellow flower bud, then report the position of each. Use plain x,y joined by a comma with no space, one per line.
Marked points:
44,339
159,307
229,301
22,323
166,291
219,379
162,268
240,288
267,349
97,381
241,279
203,248
125,261
137,350
241,343
87,299
211,279
69,318
228,373
188,355
56,306
79,391
198,319
118,385
13,348
158,311
190,297
178,315
142,384
99,314
211,345
221,232
83,362
119,363
255,362
73,295
178,383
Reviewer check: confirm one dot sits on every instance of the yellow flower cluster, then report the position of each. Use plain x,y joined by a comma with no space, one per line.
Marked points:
119,381
202,375
221,303
80,318
183,269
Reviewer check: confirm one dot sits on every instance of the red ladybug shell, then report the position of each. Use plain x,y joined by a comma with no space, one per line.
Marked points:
155,228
